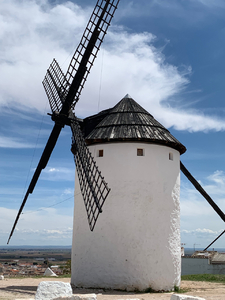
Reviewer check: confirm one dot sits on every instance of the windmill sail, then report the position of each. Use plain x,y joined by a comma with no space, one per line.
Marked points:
93,187
202,191
90,44
54,84
41,165
206,196
67,89
214,240
63,93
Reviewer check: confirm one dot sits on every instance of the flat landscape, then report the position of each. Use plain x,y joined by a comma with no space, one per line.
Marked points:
29,261
23,269
29,254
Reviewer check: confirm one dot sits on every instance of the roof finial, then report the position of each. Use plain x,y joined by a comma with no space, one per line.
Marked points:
127,96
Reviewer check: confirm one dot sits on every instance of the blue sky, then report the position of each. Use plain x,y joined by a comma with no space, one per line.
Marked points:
168,55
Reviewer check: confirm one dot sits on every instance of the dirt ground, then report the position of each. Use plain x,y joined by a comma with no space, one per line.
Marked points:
11,289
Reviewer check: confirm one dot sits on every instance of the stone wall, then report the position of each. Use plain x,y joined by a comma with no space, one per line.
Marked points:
191,266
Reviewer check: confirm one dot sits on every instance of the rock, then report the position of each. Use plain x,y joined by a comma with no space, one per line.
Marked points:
78,297
65,298
49,272
49,290
184,297
1,277
85,297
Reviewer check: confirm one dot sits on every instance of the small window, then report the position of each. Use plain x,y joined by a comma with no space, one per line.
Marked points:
170,156
100,153
140,152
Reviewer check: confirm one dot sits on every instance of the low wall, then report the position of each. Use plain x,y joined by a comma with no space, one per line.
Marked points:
190,266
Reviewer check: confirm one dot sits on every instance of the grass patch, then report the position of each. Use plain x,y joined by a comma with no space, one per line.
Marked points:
220,278
149,290
178,290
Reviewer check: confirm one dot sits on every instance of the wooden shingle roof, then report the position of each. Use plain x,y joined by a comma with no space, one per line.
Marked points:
128,121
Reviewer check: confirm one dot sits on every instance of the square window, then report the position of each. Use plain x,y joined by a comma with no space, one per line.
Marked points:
140,152
100,153
170,156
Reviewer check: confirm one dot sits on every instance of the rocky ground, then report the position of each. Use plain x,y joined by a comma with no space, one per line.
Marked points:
11,289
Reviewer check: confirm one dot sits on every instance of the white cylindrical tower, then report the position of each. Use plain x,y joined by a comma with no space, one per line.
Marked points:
136,242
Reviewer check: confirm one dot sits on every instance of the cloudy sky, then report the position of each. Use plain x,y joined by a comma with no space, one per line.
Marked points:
168,55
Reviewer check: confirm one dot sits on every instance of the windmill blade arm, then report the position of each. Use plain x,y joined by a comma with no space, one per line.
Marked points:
80,74
63,91
214,240
45,155
202,191
88,48
41,165
93,187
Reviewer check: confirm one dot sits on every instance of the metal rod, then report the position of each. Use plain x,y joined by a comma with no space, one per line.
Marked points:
41,165
202,191
214,240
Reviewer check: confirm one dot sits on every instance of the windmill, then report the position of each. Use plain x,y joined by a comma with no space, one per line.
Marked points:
63,92
136,245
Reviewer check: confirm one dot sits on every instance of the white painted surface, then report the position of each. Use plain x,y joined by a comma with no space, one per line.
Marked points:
136,242
48,290
185,297
49,272
78,297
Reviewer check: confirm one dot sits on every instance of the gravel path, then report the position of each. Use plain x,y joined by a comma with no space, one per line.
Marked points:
11,289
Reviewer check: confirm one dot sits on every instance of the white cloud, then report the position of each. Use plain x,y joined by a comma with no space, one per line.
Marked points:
59,174
202,237
49,233
190,120
10,142
139,69
218,177
131,64
48,227
68,192
33,32
212,3
196,212
213,184
191,12
52,170
202,231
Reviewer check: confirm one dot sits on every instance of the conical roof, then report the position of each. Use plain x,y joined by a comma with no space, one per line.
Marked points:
128,121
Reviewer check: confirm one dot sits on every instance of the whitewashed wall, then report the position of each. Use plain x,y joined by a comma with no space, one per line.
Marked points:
136,242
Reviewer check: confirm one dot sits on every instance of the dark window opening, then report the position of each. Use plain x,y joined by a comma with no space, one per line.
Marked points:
100,153
140,152
170,156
